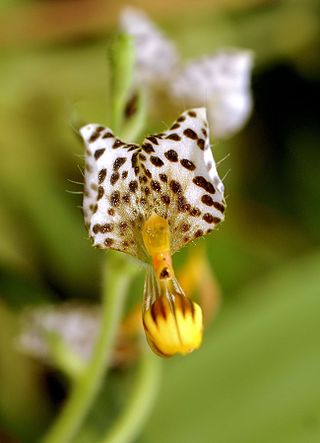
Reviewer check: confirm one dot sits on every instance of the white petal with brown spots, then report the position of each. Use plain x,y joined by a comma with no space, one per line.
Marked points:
172,173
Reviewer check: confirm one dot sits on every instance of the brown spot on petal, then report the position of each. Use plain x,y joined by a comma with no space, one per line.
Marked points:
174,137
107,135
118,163
175,187
207,200
117,144
208,218
156,161
201,143
163,178
153,140
108,242
100,192
190,134
133,185
115,198
165,199
203,183
171,155
220,207
198,233
114,178
98,153
188,164
147,147
102,175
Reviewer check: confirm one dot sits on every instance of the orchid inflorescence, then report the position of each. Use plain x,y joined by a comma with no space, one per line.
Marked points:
149,201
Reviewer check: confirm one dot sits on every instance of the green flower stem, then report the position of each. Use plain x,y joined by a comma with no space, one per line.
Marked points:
122,59
116,278
139,405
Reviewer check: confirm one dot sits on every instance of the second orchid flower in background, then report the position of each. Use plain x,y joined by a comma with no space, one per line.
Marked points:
220,81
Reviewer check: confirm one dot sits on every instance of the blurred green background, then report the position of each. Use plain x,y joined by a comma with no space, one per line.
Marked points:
256,378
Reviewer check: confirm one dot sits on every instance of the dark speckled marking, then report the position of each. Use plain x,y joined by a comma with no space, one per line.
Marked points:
175,187
153,140
190,134
208,218
117,144
107,135
114,178
171,155
118,163
115,198
203,183
207,200
156,161
188,164
102,175
219,207
201,143
163,178
147,147
198,233
98,153
108,242
133,185
100,192
174,137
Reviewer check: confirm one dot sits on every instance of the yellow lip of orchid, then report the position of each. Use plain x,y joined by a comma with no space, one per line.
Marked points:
173,327
149,201
172,322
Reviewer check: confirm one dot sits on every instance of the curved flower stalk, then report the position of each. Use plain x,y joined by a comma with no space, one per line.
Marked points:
220,81
149,201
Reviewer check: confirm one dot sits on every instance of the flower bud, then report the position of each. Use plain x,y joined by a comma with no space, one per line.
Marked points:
173,326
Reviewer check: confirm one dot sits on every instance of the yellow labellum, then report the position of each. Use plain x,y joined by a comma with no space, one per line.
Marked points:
173,329
173,323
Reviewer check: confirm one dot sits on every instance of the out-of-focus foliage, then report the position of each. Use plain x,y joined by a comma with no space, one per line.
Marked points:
256,378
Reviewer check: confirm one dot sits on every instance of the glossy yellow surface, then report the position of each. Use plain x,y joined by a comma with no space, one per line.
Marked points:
156,235
173,329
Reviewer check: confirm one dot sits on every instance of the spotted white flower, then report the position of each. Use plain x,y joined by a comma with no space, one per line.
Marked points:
156,56
149,201
78,327
222,81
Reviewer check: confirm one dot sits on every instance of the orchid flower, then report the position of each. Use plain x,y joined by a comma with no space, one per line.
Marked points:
221,81
149,201
156,57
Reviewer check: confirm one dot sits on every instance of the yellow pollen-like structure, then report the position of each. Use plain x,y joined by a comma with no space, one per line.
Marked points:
173,323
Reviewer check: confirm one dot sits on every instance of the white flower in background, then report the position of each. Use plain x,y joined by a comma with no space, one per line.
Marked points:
220,82
156,57
77,326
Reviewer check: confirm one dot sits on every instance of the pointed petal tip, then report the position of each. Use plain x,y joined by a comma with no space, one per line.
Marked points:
86,130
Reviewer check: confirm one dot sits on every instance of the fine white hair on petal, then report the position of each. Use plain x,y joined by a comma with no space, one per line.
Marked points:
172,174
222,83
156,57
